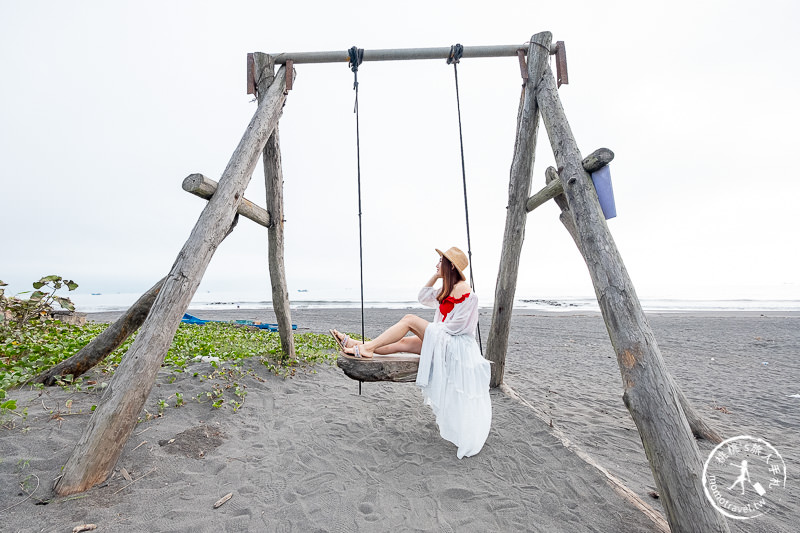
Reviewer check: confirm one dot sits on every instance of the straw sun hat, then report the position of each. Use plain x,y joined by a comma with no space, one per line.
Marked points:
457,257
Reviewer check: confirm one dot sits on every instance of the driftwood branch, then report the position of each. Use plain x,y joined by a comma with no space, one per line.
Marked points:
205,188
591,163
106,342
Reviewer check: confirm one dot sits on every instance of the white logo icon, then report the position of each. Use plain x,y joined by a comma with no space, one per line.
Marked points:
743,476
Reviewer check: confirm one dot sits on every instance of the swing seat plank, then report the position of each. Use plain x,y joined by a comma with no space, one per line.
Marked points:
397,368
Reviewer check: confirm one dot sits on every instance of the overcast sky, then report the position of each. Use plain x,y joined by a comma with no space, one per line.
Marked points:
106,106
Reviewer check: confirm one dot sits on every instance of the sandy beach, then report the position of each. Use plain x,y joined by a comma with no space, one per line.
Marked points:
308,453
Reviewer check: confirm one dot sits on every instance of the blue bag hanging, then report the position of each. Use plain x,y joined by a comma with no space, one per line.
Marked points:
602,184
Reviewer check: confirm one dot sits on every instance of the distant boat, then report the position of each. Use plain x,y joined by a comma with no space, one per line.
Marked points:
302,290
96,294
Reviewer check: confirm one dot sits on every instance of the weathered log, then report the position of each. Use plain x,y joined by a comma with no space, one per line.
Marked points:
397,368
550,191
648,392
205,188
597,160
591,163
273,179
700,429
519,188
101,444
106,342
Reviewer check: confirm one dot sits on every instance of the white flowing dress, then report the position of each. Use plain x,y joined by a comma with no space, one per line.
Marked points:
454,376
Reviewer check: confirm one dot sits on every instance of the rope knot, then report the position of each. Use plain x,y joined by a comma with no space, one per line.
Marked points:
456,51
355,56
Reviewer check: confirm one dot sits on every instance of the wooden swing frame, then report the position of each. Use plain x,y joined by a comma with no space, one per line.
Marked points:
660,411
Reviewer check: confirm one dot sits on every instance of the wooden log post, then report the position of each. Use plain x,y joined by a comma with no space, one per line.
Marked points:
109,427
273,179
518,190
205,188
106,342
592,163
700,429
648,392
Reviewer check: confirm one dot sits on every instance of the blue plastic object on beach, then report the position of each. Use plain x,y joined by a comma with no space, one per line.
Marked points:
191,319
602,184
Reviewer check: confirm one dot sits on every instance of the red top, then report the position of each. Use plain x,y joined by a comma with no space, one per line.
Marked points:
449,303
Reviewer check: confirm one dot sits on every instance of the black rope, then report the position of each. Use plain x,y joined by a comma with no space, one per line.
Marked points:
355,57
456,51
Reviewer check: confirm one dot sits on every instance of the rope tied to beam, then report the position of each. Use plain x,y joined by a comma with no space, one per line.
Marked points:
456,51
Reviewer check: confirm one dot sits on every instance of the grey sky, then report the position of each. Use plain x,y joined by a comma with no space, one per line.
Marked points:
106,106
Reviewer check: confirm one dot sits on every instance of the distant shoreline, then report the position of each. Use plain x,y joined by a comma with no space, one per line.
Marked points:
299,313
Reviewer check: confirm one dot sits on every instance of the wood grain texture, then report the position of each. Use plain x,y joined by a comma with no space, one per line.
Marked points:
516,214
273,180
648,392
204,187
398,368
109,427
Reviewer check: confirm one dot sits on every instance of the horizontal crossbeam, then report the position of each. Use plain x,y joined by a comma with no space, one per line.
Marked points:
402,54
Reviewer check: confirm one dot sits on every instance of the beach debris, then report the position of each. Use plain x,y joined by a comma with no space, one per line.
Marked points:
721,409
125,474
223,500
84,527
194,442
135,480
653,494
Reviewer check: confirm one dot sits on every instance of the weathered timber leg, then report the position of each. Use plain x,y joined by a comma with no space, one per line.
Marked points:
649,393
277,270
699,428
106,342
273,178
518,190
111,424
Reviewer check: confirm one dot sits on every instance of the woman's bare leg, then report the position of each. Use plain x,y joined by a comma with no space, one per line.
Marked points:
408,344
396,333
412,344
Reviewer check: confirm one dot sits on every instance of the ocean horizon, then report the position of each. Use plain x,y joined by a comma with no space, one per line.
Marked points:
109,302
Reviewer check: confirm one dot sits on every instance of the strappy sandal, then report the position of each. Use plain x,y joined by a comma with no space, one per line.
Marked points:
356,353
342,343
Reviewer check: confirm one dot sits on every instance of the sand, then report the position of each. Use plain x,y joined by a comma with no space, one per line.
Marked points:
308,453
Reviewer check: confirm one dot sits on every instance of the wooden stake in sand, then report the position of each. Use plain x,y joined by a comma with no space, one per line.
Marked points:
273,180
516,214
113,421
649,393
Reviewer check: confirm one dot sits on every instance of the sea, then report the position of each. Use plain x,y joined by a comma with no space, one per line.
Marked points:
322,299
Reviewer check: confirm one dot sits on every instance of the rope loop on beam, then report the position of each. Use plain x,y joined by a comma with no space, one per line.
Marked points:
456,51
355,56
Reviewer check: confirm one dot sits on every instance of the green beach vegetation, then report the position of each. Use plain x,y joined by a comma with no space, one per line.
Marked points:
32,342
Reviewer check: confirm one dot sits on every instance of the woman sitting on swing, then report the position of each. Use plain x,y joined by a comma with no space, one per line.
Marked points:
453,375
